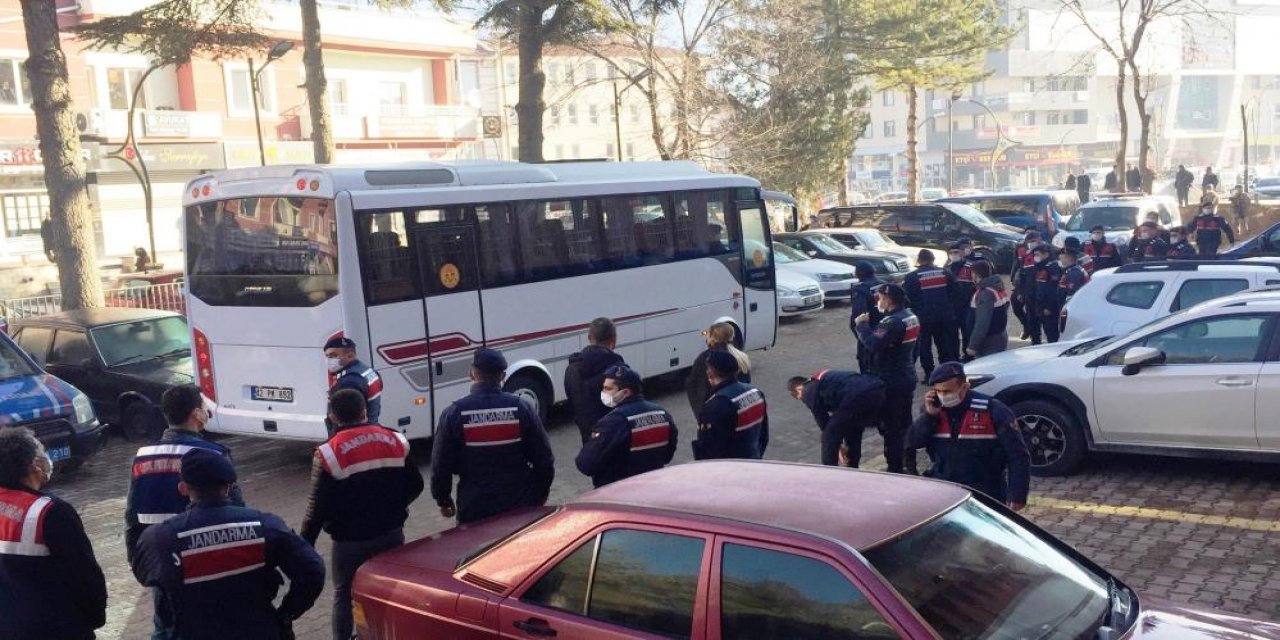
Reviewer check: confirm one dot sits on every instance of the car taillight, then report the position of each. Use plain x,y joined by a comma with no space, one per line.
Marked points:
204,365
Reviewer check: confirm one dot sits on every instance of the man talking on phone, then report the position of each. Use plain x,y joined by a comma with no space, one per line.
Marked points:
972,439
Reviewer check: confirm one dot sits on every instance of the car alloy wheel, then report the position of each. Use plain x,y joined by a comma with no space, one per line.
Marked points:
1044,437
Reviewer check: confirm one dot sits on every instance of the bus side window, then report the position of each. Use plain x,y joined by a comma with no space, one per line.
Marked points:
582,238
385,259
620,250
693,229
722,234
498,250
652,228
542,238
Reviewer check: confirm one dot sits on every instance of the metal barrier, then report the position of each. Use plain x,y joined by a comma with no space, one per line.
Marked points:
167,297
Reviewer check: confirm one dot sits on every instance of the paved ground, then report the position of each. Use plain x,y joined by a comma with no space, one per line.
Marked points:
1195,532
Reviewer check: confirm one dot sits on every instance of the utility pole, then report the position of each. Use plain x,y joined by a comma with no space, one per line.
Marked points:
1244,124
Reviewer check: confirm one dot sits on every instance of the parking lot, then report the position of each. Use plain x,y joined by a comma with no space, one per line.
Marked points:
1191,531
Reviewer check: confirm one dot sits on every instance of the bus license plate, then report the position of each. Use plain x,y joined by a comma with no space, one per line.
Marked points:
271,394
58,454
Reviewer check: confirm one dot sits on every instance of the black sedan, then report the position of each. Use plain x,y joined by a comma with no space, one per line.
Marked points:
123,359
889,267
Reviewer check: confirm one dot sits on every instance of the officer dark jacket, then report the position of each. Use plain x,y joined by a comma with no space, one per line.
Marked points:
963,272
973,444
1045,276
583,378
637,436
153,491
862,300
832,397
696,385
893,343
1104,254
496,445
217,590
362,483
362,378
990,309
50,583
1208,230
1023,258
733,423
932,291
1141,250
1181,249
1070,281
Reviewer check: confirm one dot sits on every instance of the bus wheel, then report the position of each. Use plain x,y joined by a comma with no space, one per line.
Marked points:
533,390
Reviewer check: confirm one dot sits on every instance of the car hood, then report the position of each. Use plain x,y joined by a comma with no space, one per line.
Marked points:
817,265
791,279
1162,620
1005,361
35,397
169,372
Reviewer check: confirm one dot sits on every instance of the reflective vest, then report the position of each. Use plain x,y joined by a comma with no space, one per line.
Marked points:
22,523
358,449
750,406
977,423
156,472
999,310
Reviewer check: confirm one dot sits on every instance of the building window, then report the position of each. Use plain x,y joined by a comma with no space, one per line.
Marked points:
555,116
1029,85
979,122
890,128
512,75
611,71
868,131
559,152
392,97
613,111
338,104
635,114
23,213
1080,116
631,151
570,74
571,113
591,72
14,90
593,114
886,98
610,151
553,72
240,93
575,151
120,86
1053,117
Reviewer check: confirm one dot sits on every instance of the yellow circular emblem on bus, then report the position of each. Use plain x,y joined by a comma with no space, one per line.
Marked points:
449,276
757,258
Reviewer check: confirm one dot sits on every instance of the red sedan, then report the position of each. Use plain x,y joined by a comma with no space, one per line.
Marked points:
762,550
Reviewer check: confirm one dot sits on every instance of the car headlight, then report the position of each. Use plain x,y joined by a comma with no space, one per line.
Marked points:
979,379
783,291
83,409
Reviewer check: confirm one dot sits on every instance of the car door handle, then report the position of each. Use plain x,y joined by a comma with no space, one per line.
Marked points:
535,627
1234,382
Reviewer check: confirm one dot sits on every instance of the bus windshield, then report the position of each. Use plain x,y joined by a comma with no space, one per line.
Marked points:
267,251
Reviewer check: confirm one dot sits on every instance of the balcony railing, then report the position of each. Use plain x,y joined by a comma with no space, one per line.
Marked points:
440,122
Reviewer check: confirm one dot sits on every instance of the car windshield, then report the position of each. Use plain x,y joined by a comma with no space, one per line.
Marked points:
875,239
969,214
784,254
1005,206
1112,218
827,243
973,573
130,342
12,364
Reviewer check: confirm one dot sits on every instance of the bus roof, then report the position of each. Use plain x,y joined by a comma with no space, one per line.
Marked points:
780,196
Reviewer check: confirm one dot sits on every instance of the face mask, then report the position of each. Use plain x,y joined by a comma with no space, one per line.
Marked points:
1064,264
48,464
950,399
1030,242
1175,239
333,364
1097,237
955,257
1146,236
608,399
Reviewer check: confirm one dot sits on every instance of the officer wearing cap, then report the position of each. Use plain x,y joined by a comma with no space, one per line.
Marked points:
961,267
932,291
50,583
862,300
892,343
1148,245
346,371
1023,260
496,445
1208,228
1073,244
219,564
1045,306
362,483
734,421
972,439
1073,276
1179,248
634,437
1103,254
843,403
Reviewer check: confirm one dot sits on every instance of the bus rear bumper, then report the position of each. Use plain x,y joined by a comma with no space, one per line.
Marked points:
269,424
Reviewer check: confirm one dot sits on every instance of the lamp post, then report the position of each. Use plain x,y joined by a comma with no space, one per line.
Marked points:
617,108
995,150
277,51
951,143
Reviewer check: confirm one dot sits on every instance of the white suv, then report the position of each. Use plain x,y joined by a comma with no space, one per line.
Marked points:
1117,300
1204,381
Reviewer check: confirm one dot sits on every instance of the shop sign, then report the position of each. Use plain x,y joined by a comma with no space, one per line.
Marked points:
170,124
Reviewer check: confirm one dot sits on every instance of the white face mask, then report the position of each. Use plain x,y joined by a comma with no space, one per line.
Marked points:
882,308
1146,236
334,364
1097,237
48,464
1174,239
1063,263
608,399
950,399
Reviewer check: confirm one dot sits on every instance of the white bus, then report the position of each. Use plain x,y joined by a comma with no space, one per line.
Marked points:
423,263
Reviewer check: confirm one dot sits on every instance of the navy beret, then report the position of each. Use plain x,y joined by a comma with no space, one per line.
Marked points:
625,376
1097,227
488,360
946,371
340,343
722,361
895,292
205,468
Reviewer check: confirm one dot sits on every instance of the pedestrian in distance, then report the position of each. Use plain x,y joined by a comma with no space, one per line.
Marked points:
972,439
153,487
634,437
1070,184
1102,254
1240,206
495,443
1179,248
862,300
584,374
1209,182
734,421
1084,186
932,293
51,583
1208,228
1044,295
1111,183
362,483
1133,179
719,337
346,371
990,314
1023,261
843,404
1182,182
218,564
892,343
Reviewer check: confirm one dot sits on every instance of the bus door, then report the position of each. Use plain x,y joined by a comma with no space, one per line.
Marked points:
449,269
760,303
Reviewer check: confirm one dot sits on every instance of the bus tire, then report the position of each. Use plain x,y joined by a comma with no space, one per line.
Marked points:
532,389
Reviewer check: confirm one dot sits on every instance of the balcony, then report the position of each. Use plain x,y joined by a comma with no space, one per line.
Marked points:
114,124
435,122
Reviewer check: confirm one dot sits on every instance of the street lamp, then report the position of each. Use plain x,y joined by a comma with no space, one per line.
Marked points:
617,107
277,51
955,97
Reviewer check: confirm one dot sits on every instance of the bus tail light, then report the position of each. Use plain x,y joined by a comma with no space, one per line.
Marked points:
204,365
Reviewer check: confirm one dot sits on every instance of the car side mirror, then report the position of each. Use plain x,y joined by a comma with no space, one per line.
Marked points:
1138,357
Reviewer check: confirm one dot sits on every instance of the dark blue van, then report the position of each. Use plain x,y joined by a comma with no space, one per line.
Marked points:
60,415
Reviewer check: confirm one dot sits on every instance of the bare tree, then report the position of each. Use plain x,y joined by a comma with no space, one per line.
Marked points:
317,85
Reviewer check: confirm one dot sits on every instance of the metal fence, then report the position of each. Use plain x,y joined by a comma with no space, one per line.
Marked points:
168,297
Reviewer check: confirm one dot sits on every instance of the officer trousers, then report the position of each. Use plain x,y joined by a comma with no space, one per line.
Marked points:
941,334
1047,323
1019,311
994,343
1208,249
896,419
846,426
346,559
964,318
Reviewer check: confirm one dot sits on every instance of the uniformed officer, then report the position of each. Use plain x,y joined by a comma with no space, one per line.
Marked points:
1148,245
1102,254
962,268
734,421
1208,227
362,483
972,439
634,437
1045,306
990,314
932,291
892,344
1179,248
1072,244
1073,276
347,372
843,403
1022,260
496,445
153,490
219,564
862,300
50,583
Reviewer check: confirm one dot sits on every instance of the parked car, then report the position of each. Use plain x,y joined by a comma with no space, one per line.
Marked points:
149,290
889,267
1199,382
797,294
835,278
935,225
1264,244
1119,216
123,359
752,549
890,196
1044,210
870,239
1119,300
61,416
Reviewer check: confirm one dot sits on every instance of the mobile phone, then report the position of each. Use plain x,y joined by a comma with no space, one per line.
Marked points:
935,402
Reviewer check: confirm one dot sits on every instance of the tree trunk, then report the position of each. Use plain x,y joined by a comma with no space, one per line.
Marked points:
842,193
317,85
913,160
530,38
64,171
1144,122
1123,115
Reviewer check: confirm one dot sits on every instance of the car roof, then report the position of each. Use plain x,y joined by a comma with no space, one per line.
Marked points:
93,317
871,253
858,508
